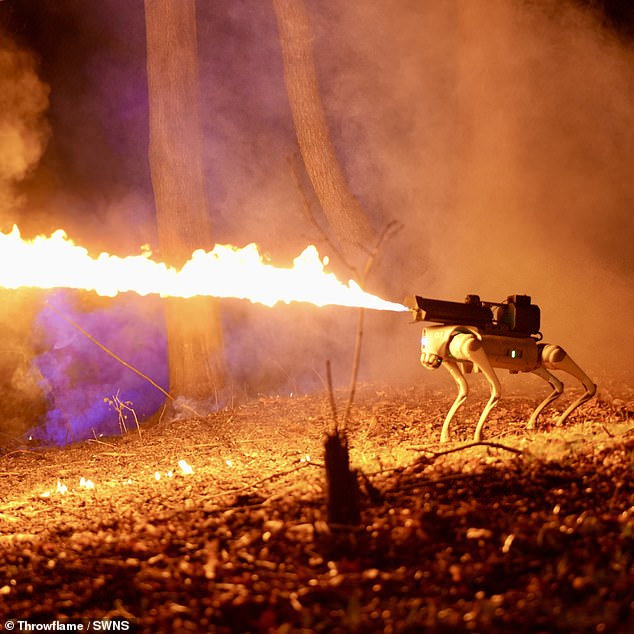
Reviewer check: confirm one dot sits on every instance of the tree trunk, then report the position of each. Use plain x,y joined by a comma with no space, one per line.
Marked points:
345,215
194,332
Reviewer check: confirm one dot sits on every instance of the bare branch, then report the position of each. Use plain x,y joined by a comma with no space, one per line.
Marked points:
390,229
482,443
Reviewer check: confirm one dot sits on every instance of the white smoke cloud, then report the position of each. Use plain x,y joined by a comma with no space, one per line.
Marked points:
500,134
23,127
23,135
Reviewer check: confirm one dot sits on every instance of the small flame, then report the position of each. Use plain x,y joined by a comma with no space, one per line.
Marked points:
62,489
168,474
186,468
225,271
84,483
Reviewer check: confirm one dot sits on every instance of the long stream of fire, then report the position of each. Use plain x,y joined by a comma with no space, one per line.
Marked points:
225,271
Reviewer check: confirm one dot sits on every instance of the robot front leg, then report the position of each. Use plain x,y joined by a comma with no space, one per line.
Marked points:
554,357
480,359
463,390
467,346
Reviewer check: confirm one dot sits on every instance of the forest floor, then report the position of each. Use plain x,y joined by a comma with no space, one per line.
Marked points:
219,524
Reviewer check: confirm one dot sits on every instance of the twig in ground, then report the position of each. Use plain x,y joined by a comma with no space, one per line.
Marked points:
121,407
30,452
162,412
356,359
438,454
101,442
331,396
482,443
390,229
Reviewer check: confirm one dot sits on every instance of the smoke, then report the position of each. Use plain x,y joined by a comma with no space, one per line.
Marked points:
90,392
23,135
498,134
73,76
23,127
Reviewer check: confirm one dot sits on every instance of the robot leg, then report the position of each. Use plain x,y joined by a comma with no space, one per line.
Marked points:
463,390
558,388
554,357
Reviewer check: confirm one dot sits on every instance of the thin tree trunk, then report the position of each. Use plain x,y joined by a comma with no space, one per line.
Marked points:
194,333
345,215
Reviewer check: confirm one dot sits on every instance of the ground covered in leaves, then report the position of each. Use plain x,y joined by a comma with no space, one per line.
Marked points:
219,524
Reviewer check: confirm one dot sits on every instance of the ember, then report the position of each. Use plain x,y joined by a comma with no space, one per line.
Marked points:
84,483
186,468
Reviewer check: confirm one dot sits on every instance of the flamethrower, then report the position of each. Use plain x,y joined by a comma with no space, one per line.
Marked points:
479,336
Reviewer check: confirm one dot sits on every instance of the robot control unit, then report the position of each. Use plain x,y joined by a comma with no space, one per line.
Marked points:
480,336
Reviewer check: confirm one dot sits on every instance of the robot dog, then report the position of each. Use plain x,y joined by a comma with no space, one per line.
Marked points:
480,336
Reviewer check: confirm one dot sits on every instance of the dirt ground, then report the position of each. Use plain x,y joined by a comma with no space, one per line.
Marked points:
219,524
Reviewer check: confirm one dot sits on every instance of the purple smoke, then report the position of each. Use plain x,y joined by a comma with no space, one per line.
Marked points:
81,380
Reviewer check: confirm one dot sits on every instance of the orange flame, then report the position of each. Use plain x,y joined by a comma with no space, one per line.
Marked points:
225,271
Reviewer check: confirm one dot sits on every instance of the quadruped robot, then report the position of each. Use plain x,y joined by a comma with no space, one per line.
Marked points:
479,336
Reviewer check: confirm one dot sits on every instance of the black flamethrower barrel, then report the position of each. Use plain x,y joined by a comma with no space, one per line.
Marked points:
516,317
471,312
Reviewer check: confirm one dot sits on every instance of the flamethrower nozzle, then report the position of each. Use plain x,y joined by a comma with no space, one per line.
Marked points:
411,303
471,312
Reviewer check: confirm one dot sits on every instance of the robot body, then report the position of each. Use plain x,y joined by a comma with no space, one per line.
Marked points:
508,338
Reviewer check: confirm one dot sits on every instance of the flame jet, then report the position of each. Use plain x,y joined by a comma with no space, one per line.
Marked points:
225,271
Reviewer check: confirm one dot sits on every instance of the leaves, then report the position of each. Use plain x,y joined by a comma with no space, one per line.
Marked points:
479,539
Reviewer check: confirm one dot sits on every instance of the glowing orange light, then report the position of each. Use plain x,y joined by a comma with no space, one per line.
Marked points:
225,271
84,483
186,468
